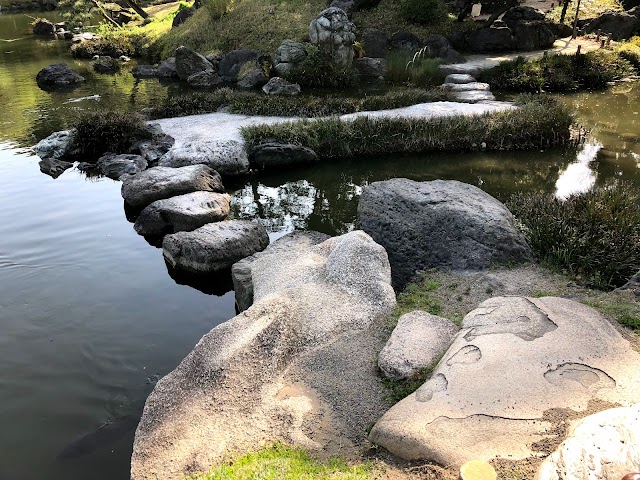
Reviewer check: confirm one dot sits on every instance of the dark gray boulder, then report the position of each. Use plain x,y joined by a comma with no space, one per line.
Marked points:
182,16
54,167
182,213
204,79
189,63
57,145
106,64
43,26
375,43
370,67
153,149
522,13
231,63
405,41
491,40
440,47
115,166
256,78
347,6
532,35
280,86
289,57
167,68
215,246
442,224
619,26
158,183
59,74
271,155
560,30
144,71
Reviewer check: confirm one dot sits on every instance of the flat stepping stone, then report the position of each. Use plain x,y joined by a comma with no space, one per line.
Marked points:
459,78
183,213
115,166
468,68
158,183
473,96
477,470
215,246
465,87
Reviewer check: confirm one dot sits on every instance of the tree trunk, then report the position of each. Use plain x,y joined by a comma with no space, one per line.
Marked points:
565,5
137,8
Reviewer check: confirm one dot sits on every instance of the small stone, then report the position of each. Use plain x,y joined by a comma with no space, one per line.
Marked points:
477,470
459,78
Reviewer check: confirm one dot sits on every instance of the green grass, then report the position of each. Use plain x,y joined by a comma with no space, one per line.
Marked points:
402,69
397,390
593,236
620,309
560,73
282,462
250,103
588,9
538,122
417,296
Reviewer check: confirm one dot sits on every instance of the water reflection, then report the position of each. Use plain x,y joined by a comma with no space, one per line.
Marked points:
578,177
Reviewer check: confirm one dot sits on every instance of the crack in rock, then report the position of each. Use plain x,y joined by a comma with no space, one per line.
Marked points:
438,383
593,379
466,355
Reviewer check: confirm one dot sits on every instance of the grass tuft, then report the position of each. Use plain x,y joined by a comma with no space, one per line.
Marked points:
397,390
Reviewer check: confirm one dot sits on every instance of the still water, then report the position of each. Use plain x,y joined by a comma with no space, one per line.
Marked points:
89,314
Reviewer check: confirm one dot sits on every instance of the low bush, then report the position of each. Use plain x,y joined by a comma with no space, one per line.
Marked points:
100,132
559,73
595,236
631,53
535,124
319,71
250,103
423,11
422,71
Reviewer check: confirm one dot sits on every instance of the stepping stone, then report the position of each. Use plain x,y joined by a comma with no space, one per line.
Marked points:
477,470
468,68
182,213
115,166
465,87
459,78
473,96
215,246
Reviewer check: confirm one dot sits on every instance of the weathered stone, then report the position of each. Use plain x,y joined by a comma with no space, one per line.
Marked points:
603,446
443,224
230,65
106,65
633,285
619,26
295,366
214,246
418,341
514,359
54,167
144,71
472,96
182,213
271,155
370,67
334,34
532,35
254,79
375,43
115,166
57,145
522,13
59,74
560,30
477,470
189,62
347,6
159,182
227,157
466,87
440,47
205,79
459,78
182,16
491,40
280,86
289,57
167,68
43,26
405,41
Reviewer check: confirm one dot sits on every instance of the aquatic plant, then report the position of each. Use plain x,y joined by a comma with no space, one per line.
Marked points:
103,131
417,69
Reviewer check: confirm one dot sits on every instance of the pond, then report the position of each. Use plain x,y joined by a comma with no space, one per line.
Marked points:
89,314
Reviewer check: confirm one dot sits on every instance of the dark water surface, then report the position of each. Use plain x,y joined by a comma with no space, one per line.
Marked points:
89,314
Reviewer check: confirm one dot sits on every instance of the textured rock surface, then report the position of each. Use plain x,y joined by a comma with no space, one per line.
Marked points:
603,446
633,285
491,40
289,57
370,67
114,166
465,87
473,96
295,366
57,145
189,63
59,74
419,340
254,79
182,213
405,41
440,47
532,35
459,78
226,157
167,68
204,79
231,63
215,246
161,182
522,13
334,33
619,26
514,359
439,224
54,167
270,155
280,86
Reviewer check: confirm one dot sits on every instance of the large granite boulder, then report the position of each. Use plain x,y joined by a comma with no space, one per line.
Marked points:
182,213
280,86
289,57
227,157
495,39
42,26
204,79
57,145
271,155
295,366
370,68
405,42
158,183
443,224
603,446
255,78
214,246
189,63
618,25
333,33
513,361
167,68
58,74
375,43
231,63
115,166
532,35
522,13
440,47
418,341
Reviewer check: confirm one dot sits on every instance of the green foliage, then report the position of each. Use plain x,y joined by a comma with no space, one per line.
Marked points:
418,70
559,73
595,236
250,103
630,52
319,71
282,462
537,123
100,132
397,390
423,11
107,65
216,8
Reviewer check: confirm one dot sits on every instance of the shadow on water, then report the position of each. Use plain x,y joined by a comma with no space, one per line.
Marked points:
217,284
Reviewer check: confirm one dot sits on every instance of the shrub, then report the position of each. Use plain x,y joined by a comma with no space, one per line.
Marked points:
423,11
319,71
100,132
216,8
595,235
404,68
596,69
631,53
104,47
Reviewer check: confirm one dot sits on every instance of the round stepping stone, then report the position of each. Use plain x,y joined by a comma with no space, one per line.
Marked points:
473,96
465,87
477,470
459,78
